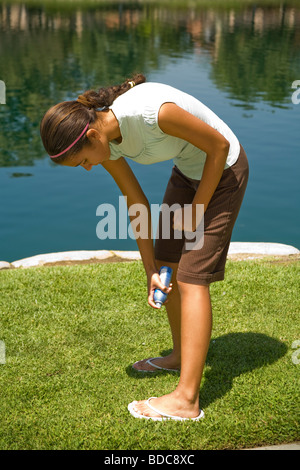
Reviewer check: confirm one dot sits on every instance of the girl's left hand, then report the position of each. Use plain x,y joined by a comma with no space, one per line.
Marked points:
154,282
188,217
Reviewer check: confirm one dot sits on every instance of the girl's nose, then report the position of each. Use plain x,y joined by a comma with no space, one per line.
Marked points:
88,166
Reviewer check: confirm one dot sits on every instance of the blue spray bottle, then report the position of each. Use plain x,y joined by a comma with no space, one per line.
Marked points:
165,274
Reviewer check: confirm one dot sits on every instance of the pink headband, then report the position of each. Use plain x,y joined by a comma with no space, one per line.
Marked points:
75,141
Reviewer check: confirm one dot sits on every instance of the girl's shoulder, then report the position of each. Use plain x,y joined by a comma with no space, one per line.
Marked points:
148,95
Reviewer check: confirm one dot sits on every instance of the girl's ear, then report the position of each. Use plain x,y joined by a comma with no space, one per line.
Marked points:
93,134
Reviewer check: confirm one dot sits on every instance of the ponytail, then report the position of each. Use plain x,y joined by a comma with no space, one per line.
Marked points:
64,126
104,97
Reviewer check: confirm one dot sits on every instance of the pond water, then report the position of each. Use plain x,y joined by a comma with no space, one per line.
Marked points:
241,61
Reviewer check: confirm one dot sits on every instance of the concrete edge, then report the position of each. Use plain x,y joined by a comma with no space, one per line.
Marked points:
290,446
72,257
237,251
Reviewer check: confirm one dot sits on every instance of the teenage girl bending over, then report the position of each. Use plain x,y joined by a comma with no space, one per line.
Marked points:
149,123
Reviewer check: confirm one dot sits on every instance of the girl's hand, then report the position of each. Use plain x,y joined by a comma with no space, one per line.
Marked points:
154,282
188,218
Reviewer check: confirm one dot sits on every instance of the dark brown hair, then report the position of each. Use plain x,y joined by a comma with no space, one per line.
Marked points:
64,122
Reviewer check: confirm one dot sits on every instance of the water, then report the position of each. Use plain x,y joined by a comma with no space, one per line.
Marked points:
240,61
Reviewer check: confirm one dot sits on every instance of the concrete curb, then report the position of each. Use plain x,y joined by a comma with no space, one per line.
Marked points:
291,446
237,250
269,249
72,257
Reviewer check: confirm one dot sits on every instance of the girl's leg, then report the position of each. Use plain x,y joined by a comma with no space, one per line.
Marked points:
196,324
195,338
196,315
173,307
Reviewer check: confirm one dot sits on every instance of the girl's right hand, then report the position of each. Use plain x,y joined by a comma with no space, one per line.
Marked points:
154,282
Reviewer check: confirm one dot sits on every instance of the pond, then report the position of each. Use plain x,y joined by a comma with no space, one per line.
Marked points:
241,59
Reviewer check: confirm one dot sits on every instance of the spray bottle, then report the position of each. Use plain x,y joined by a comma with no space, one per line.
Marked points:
165,274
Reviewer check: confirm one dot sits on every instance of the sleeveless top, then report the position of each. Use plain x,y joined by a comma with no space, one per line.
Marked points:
144,142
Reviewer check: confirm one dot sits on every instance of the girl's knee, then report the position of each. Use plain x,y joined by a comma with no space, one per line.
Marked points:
185,287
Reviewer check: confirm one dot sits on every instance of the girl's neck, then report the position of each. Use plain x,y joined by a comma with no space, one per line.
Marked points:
108,124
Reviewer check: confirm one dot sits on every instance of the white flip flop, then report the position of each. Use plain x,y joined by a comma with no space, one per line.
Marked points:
163,417
149,361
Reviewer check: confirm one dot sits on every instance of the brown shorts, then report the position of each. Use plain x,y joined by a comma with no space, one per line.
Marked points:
207,264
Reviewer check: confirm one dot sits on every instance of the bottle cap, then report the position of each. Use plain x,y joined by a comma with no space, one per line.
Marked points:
158,304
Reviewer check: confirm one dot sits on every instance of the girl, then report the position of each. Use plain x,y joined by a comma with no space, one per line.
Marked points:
152,122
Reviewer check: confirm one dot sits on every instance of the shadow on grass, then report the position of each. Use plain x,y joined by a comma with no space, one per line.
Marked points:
234,354
228,357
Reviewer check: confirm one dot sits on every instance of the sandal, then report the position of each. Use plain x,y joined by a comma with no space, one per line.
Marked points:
163,417
149,361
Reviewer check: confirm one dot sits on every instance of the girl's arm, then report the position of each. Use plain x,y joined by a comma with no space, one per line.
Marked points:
177,122
130,187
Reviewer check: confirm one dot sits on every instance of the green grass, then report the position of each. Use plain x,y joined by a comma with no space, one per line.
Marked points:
72,333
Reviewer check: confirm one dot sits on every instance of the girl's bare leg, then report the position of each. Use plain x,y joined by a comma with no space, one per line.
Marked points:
196,324
173,307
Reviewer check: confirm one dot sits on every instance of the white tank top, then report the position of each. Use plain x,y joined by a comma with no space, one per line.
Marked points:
144,142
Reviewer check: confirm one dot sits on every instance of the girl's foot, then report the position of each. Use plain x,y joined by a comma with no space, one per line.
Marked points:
169,405
153,364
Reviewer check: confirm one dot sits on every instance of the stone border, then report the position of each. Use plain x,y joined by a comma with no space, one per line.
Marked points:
67,258
237,251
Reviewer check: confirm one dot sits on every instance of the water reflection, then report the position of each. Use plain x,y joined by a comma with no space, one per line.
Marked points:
48,56
19,174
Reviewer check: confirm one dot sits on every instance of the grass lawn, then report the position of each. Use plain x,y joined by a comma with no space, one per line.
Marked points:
71,334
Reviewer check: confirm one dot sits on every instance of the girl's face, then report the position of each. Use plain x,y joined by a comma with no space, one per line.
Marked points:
91,155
